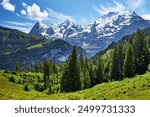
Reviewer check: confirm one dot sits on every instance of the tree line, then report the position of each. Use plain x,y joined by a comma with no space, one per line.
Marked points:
80,73
127,61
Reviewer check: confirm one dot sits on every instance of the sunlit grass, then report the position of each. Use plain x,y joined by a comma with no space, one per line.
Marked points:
137,88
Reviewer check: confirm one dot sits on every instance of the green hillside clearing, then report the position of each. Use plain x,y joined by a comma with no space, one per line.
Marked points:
134,88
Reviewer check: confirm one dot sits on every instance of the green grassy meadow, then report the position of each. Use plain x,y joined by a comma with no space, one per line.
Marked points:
136,88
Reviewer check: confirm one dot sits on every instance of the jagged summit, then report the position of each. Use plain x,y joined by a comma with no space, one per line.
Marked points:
99,34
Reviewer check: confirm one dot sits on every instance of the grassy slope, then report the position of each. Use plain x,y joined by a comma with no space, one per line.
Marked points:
135,88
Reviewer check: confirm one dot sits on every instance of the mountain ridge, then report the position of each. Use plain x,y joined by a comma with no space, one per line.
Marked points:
99,34
19,47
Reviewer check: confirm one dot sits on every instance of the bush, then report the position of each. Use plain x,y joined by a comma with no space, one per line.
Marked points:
26,88
42,88
56,88
12,79
6,71
38,87
14,73
20,81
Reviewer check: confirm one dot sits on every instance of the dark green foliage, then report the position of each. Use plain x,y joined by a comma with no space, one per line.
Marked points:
99,72
50,89
117,63
20,81
54,68
39,67
86,75
18,67
26,88
70,80
120,62
129,63
81,60
6,71
107,72
141,53
92,75
12,79
46,73
39,87
115,70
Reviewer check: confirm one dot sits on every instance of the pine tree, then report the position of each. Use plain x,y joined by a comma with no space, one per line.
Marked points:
70,80
99,72
46,73
55,68
86,80
129,63
92,75
141,52
107,72
115,70
18,67
117,63
81,60
120,61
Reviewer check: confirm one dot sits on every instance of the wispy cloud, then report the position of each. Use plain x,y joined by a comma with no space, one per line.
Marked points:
118,6
106,9
134,4
7,5
34,12
57,16
24,27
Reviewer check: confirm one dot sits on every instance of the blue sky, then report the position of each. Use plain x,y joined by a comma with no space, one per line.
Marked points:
23,14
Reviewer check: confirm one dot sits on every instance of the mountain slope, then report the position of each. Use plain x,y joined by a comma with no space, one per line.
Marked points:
97,35
18,47
133,88
123,41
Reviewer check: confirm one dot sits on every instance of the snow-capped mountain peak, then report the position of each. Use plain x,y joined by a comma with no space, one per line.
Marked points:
67,23
110,27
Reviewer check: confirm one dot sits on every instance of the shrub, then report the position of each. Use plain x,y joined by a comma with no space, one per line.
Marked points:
12,79
37,87
56,88
20,81
6,71
26,88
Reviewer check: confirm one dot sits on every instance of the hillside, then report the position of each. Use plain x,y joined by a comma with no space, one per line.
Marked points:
19,47
122,41
133,88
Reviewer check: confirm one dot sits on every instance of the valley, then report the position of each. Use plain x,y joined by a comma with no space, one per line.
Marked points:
108,59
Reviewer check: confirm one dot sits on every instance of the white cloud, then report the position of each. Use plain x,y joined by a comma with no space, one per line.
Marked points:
57,16
106,9
22,26
135,4
34,12
24,4
23,12
25,24
7,5
146,16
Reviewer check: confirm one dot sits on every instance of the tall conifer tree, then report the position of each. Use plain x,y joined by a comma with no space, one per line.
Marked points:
70,80
129,63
